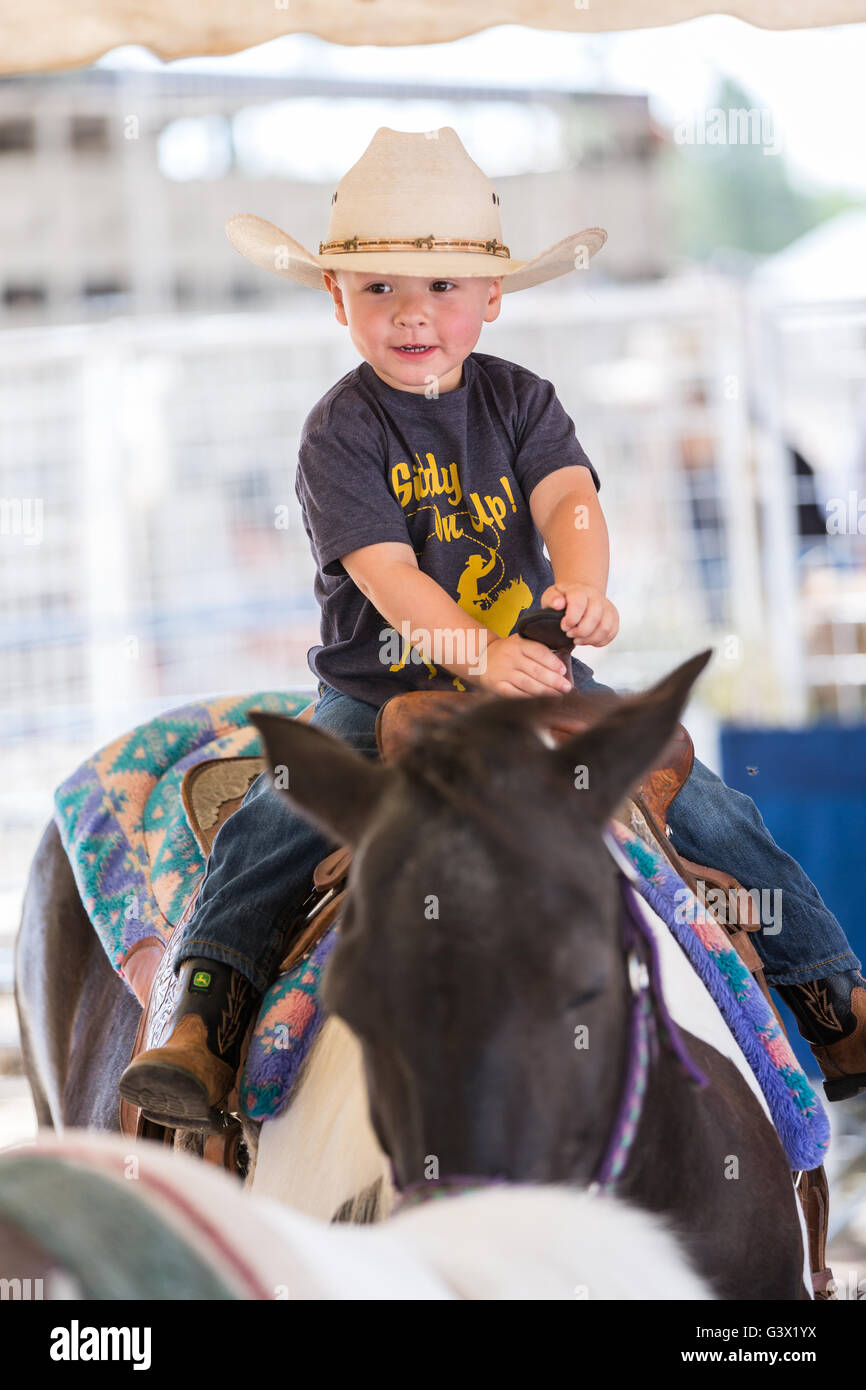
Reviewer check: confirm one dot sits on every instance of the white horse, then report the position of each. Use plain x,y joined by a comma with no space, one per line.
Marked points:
500,1243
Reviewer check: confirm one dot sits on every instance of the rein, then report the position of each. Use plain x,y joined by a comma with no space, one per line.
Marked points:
649,1022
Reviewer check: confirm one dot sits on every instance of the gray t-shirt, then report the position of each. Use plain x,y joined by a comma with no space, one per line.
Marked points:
449,475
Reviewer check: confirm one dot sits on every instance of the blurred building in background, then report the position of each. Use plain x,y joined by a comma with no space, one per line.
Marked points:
116,186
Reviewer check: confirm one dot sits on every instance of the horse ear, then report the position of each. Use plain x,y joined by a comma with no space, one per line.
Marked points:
323,777
624,744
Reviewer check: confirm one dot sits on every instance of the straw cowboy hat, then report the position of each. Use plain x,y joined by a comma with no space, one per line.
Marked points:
413,204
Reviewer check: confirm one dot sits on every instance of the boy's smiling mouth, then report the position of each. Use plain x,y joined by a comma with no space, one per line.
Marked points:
415,349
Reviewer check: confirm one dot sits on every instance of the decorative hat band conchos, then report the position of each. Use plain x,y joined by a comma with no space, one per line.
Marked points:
421,243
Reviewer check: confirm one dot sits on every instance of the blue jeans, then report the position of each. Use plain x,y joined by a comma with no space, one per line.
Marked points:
261,864
261,867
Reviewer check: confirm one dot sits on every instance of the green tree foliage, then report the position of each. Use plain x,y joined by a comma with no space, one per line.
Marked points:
724,193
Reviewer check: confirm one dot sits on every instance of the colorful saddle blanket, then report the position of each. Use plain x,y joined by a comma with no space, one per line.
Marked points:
136,862
132,852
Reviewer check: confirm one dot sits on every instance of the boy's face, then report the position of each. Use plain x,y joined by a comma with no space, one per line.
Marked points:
385,312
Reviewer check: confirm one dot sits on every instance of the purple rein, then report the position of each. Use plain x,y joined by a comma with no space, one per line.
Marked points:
648,1017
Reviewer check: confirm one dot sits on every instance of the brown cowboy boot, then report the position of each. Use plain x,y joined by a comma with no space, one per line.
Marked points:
831,1016
181,1083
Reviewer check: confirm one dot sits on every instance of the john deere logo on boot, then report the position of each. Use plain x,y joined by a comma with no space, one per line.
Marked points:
201,980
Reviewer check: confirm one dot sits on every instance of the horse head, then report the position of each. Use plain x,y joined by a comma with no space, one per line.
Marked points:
479,959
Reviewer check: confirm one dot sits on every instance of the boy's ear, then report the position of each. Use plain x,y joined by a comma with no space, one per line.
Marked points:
323,777
337,296
494,300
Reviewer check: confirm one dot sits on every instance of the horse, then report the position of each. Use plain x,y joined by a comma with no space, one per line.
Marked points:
483,928
189,1231
478,1069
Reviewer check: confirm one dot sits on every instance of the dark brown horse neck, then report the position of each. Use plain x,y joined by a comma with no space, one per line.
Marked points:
711,1163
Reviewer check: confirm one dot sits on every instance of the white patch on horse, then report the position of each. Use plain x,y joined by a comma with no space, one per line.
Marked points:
322,1151
807,1263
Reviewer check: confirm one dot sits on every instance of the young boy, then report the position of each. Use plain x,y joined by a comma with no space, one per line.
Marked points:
429,477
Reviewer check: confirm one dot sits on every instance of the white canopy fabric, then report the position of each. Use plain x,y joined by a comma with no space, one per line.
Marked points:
43,35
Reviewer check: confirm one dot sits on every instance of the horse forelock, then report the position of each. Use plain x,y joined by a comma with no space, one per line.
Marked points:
454,762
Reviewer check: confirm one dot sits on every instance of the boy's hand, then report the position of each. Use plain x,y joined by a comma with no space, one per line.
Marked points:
517,666
589,618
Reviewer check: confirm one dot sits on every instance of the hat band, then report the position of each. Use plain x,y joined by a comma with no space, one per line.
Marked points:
421,243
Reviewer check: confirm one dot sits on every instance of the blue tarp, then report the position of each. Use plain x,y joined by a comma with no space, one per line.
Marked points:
810,787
